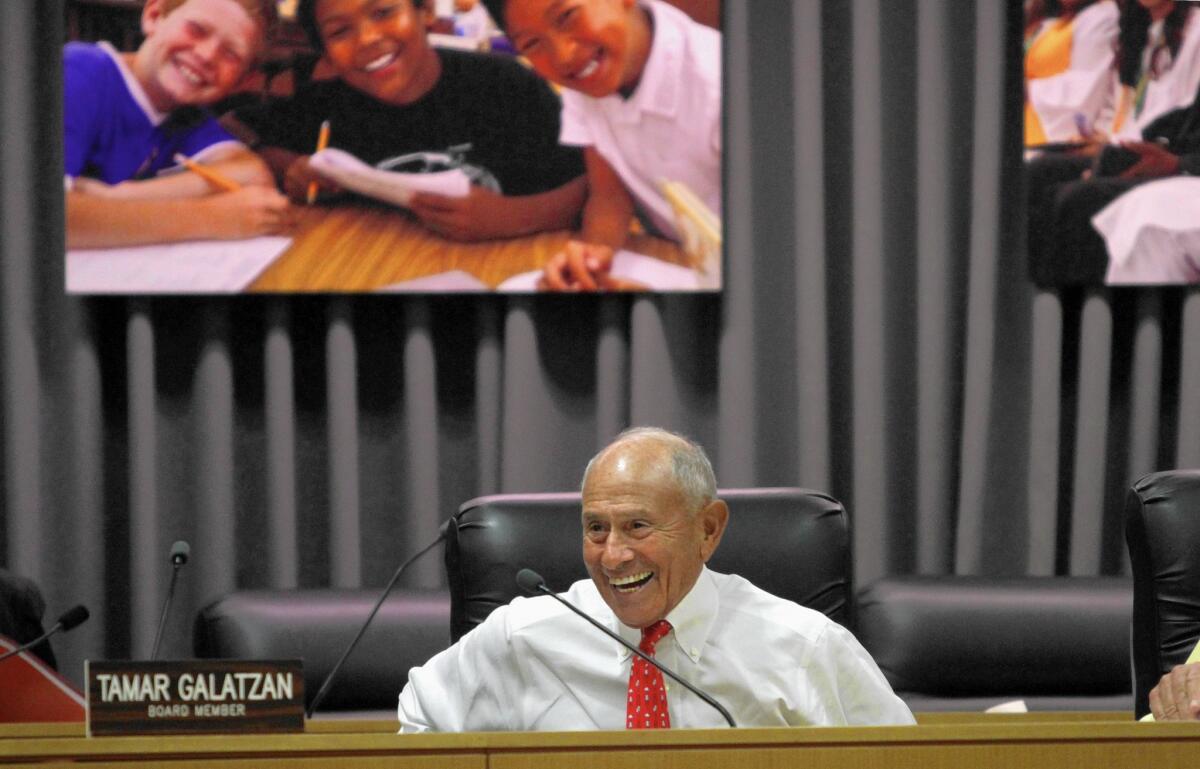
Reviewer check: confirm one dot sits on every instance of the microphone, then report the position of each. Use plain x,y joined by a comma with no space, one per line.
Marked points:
70,619
312,708
179,556
531,582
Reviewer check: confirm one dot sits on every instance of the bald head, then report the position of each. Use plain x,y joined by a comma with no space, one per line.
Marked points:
651,520
682,462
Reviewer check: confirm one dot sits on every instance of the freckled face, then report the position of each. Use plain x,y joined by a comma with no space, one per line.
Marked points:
585,45
643,548
195,54
379,47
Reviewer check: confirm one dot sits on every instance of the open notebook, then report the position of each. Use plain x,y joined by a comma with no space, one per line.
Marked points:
196,267
654,274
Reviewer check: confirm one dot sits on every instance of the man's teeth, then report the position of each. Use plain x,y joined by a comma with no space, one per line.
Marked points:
190,75
621,582
587,71
379,63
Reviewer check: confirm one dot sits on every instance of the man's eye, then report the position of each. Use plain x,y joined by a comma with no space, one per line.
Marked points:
566,17
230,55
336,33
383,12
529,46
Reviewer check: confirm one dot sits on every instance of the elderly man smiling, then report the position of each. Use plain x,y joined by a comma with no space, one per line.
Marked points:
651,520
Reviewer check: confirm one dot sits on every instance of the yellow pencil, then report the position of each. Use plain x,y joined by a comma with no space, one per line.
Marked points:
322,143
213,177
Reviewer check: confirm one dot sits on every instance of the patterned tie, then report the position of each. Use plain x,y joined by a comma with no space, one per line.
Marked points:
647,705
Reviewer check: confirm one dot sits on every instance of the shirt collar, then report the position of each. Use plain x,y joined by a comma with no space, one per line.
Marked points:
135,88
657,91
691,620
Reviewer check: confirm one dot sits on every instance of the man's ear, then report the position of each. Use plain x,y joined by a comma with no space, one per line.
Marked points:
152,14
713,519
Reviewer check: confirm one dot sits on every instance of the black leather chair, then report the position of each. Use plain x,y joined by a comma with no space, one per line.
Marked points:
969,643
1162,529
21,610
317,625
791,542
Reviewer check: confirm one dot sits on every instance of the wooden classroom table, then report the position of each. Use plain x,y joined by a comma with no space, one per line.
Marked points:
358,246
1033,741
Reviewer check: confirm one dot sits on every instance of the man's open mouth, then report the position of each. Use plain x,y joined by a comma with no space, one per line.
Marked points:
631,583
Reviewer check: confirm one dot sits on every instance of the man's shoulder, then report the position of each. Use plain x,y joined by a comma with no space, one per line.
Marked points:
526,613
490,76
87,65
482,64
84,54
740,597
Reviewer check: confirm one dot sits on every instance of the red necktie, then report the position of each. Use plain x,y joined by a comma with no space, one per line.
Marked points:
647,704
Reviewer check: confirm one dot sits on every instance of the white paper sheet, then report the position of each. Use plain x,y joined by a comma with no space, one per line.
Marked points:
389,186
453,281
655,274
196,267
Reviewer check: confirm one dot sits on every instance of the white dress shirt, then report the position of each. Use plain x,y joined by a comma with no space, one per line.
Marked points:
1174,88
1152,233
1085,88
669,128
533,665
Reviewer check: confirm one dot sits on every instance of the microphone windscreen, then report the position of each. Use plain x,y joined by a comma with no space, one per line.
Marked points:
73,617
180,552
530,581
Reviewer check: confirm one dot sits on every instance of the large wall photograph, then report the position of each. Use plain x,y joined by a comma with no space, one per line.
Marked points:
436,146
1112,141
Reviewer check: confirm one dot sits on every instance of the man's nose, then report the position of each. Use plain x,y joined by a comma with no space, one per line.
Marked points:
616,551
208,48
367,32
562,48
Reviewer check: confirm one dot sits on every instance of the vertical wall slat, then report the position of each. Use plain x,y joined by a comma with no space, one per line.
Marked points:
279,403
1145,387
654,397
735,412
144,521
612,369
421,513
22,408
489,397
978,413
345,545
935,497
1187,453
85,508
869,418
812,347
1044,415
212,421
1091,433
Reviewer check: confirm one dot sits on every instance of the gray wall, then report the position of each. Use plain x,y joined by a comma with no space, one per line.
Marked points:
877,339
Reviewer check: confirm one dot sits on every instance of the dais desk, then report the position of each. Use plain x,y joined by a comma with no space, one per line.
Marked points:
1036,742
356,246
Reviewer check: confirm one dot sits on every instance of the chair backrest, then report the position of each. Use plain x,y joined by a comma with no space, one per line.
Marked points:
1162,529
791,542
317,625
21,610
970,642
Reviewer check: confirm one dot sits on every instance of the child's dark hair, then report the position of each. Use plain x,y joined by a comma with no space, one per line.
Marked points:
1135,32
495,9
306,17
